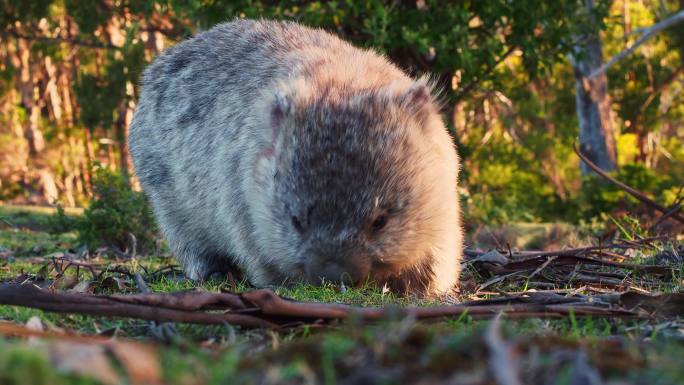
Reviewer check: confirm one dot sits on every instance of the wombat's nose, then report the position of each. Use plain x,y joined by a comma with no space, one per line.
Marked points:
334,272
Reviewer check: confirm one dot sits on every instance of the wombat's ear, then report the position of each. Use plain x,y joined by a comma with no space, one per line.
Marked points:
281,108
418,101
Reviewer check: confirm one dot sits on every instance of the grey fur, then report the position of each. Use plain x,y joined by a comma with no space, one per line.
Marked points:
275,147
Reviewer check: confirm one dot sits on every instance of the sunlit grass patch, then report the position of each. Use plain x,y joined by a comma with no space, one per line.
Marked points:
364,295
33,217
23,242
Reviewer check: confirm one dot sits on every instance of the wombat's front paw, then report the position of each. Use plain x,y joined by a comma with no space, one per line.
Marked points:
211,269
219,276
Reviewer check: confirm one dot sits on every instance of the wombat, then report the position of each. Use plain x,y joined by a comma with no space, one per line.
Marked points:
295,156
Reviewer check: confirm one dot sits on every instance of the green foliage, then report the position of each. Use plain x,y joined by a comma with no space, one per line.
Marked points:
88,15
98,106
599,197
115,215
503,62
22,366
22,10
102,95
438,37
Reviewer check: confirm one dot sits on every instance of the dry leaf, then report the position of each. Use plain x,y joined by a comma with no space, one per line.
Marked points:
492,256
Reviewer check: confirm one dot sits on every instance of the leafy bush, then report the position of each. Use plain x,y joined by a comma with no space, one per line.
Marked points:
598,196
115,213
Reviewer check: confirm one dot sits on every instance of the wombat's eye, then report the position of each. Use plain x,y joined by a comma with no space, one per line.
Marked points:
297,225
379,223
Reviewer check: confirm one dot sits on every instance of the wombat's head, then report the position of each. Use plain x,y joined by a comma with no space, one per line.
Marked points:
355,184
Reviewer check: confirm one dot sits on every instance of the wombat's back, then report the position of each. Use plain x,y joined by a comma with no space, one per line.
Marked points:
235,59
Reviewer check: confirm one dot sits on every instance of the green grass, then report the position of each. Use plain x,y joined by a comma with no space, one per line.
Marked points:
35,217
365,295
25,230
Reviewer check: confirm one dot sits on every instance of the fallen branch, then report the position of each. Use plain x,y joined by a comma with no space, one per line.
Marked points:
579,251
164,331
633,192
109,306
265,309
572,260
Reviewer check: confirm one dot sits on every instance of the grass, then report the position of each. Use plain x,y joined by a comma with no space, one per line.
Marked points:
394,351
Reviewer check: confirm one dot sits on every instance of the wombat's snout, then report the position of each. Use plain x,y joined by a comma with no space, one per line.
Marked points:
322,269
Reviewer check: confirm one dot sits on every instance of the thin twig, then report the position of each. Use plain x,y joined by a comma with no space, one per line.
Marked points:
633,192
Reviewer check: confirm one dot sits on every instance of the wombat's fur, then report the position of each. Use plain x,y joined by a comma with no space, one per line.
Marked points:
293,155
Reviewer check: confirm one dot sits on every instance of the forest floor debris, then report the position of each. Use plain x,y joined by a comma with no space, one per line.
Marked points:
604,314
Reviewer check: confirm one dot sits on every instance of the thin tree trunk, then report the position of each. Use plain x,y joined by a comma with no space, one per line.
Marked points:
681,40
121,135
594,114
52,92
87,167
27,90
111,156
31,101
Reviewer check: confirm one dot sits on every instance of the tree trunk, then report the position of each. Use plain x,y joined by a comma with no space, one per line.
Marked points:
87,166
594,114
52,92
123,126
31,102
679,29
29,99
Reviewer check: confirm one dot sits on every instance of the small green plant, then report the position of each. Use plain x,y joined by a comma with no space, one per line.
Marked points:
116,217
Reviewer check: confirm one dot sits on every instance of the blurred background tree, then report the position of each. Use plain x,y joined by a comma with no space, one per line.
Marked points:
513,76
